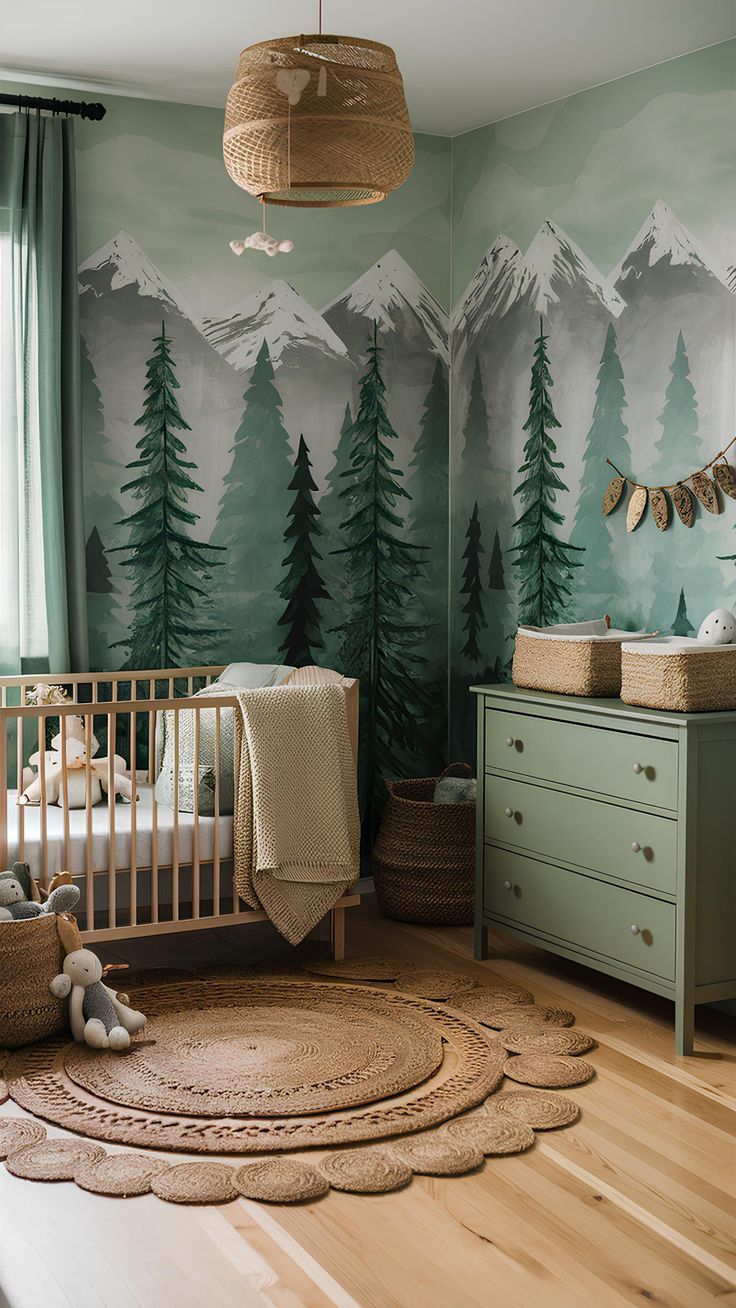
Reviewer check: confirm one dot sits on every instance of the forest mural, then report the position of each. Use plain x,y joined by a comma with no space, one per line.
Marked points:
594,317
267,457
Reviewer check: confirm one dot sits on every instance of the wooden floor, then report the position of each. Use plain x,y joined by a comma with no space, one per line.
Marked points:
637,1202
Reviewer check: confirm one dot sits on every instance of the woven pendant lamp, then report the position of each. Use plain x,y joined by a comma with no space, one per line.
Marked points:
318,122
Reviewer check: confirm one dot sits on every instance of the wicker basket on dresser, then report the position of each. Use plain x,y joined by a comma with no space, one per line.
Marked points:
607,834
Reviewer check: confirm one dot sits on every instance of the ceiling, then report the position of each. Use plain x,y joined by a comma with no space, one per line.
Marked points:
465,62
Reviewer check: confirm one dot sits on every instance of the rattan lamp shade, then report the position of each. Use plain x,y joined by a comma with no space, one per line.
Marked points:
345,138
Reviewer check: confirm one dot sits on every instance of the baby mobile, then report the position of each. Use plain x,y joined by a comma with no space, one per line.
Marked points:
696,486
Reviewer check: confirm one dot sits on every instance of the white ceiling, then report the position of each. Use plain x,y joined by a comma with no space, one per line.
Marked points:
465,62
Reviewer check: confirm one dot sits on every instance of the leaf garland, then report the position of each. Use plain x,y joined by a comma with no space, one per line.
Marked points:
696,487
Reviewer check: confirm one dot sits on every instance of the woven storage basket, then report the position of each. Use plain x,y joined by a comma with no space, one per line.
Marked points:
683,679
30,957
584,661
424,855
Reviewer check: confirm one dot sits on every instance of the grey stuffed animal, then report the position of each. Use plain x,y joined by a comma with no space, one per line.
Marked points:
96,1015
16,903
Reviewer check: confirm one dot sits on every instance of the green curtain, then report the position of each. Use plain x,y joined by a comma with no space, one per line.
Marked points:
43,620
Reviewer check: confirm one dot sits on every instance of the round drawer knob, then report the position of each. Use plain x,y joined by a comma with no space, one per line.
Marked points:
638,768
509,741
634,929
636,846
507,885
509,812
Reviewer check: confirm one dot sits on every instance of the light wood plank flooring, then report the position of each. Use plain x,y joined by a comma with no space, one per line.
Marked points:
635,1203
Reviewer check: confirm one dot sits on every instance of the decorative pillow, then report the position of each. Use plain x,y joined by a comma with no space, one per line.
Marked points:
455,790
237,676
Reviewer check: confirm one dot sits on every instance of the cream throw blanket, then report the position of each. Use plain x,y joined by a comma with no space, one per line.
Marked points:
296,832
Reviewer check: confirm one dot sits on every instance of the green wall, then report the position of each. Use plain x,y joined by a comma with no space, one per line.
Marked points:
605,223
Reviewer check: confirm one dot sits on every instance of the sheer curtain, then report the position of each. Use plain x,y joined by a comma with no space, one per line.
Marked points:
42,573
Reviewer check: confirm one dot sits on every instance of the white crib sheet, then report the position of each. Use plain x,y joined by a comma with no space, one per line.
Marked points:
56,854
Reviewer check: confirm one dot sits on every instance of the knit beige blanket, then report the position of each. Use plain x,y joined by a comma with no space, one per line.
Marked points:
296,838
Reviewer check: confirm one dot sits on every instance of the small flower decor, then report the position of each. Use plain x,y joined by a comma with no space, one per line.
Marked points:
44,694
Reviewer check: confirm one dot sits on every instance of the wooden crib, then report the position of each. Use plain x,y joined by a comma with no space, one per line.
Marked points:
143,868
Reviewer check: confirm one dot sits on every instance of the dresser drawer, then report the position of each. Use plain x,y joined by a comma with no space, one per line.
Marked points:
620,842
579,910
617,763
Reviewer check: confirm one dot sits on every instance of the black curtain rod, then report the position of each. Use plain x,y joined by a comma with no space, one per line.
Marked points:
82,110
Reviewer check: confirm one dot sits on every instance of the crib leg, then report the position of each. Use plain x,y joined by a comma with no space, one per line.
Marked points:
337,933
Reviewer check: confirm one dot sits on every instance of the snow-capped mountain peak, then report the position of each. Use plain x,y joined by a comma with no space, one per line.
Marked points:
386,292
663,236
553,261
121,262
494,287
281,316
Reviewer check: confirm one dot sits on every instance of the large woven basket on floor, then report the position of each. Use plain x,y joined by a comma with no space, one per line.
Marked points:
670,675
424,855
30,957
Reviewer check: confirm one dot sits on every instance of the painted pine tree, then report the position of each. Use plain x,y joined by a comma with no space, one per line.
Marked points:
496,574
383,631
599,584
500,623
171,623
102,596
678,448
476,454
332,510
428,482
545,562
302,586
472,588
682,626
102,471
251,516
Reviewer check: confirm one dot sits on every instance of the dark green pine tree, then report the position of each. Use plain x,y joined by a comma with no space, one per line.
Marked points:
682,626
171,572
496,574
473,588
302,587
428,516
383,631
99,577
679,446
332,510
251,515
544,561
606,440
476,452
102,596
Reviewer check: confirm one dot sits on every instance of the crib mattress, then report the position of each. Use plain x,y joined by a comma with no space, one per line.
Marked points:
56,860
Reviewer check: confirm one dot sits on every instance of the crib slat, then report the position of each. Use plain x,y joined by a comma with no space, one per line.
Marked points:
89,861
151,734
195,833
216,837
42,777
175,836
4,788
65,795
111,880
133,816
154,822
19,782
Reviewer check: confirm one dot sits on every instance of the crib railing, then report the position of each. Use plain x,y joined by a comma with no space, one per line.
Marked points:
134,702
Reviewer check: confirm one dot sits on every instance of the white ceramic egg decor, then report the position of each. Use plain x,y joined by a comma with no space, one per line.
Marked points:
719,628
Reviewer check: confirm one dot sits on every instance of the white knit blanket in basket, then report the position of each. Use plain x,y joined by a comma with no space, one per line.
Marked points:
296,831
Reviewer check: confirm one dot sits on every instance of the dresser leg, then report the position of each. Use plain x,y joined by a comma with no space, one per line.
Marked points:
684,1026
481,941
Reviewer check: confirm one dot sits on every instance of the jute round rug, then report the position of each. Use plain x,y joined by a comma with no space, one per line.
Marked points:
255,1065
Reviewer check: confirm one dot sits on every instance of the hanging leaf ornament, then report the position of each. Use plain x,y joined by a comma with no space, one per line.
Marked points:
705,491
659,505
636,509
683,502
725,475
613,494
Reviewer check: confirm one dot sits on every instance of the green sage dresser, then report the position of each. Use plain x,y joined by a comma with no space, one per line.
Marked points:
607,834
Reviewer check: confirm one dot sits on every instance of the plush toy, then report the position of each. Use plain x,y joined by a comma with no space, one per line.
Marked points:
15,901
260,241
96,1015
719,628
83,772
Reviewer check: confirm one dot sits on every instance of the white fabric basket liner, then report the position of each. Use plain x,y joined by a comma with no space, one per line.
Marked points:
595,632
676,645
